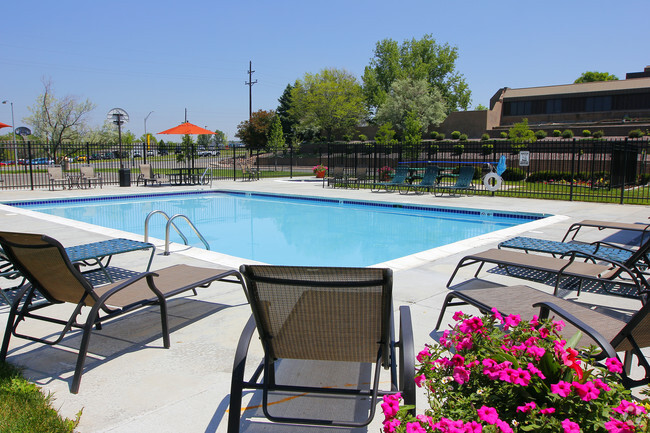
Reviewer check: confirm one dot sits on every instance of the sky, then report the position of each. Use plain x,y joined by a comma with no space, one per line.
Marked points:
168,57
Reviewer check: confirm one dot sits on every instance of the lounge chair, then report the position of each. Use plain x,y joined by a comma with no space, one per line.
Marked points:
463,183
398,180
429,181
335,176
88,176
625,275
57,177
248,169
45,264
316,313
147,175
610,334
556,248
601,225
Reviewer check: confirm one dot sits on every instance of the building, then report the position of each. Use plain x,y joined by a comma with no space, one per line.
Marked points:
616,107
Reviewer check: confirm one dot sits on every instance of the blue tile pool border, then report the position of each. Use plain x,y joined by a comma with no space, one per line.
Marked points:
426,208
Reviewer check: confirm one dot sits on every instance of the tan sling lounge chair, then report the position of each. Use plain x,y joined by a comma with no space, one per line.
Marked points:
602,225
45,264
57,177
610,334
88,176
147,175
327,314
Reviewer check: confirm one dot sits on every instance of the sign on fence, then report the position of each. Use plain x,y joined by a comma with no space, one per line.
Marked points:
524,158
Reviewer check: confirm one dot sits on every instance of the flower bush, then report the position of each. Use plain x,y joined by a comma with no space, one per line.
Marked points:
385,173
503,374
319,168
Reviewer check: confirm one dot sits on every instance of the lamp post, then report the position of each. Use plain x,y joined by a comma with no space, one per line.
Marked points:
13,134
146,137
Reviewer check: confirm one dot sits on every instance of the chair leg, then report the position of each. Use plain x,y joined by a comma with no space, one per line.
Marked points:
238,370
406,358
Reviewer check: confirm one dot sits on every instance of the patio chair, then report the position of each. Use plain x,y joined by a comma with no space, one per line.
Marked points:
463,183
625,275
357,180
335,176
88,176
147,175
53,279
248,170
398,180
602,225
430,180
610,334
57,177
327,314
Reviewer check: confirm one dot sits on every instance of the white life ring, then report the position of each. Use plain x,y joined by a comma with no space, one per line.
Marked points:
492,181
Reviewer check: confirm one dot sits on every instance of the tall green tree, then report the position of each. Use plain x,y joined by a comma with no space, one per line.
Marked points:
276,142
186,151
520,132
412,96
590,76
219,138
288,121
329,103
254,132
415,59
203,141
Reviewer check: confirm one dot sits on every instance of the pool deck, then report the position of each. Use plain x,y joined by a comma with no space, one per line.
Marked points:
131,384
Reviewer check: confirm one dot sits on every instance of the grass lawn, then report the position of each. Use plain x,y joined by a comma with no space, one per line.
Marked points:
25,409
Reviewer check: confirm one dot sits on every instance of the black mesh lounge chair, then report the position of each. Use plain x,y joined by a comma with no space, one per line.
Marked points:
398,180
147,175
610,334
615,277
429,181
463,183
602,225
330,314
45,264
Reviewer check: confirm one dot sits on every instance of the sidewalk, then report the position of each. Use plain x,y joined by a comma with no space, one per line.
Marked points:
132,384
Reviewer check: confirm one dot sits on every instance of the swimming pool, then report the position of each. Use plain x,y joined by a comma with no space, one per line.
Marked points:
283,229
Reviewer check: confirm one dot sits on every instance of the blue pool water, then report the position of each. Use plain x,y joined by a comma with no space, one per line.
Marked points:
293,230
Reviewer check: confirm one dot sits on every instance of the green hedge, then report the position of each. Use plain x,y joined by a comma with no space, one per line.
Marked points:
557,176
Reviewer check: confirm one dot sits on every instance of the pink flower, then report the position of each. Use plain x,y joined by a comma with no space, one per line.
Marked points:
570,426
425,419
558,325
472,427
543,332
534,370
618,426
614,365
547,410
601,385
458,315
519,377
473,324
457,360
503,426
536,351
488,414
535,320
512,320
527,407
587,391
465,343
390,405
630,408
444,340
562,388
414,427
419,379
423,353
497,315
461,374
391,425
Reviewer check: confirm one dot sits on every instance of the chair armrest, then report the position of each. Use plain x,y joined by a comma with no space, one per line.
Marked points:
598,244
546,307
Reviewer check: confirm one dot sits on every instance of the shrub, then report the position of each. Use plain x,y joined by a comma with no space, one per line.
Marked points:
504,374
363,137
635,133
441,136
487,149
518,147
557,133
459,149
434,134
485,137
455,135
598,134
503,134
567,133
463,137
513,174
540,134
586,133
644,179
434,148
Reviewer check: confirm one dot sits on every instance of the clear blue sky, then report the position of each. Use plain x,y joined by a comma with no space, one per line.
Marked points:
165,56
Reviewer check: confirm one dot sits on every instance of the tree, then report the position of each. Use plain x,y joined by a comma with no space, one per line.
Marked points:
288,121
276,141
254,132
412,135
57,120
203,141
590,76
219,138
412,96
521,133
330,103
415,59
187,149
480,107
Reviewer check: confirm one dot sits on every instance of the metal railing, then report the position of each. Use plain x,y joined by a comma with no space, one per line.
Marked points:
170,223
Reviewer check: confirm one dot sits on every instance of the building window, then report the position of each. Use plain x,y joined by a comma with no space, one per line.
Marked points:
553,106
599,103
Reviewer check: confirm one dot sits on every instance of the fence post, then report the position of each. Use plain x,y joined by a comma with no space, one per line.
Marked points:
290,160
624,171
31,173
573,167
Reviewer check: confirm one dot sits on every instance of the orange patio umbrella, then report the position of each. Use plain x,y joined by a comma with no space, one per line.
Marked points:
4,125
187,128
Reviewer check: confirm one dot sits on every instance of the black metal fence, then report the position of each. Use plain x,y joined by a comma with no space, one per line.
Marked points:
602,170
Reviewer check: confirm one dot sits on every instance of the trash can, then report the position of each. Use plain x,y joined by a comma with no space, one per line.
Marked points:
125,176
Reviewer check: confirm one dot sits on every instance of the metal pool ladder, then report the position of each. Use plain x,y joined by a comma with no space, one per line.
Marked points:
170,223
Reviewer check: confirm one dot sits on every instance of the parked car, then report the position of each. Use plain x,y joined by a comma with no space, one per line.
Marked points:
151,153
162,152
137,155
208,153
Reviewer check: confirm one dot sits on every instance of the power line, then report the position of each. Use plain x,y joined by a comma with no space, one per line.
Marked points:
250,83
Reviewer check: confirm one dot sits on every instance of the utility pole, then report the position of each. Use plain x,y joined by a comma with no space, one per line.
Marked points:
250,83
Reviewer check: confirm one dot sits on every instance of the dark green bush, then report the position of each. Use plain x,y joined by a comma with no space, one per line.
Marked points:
567,133
459,149
635,133
586,133
463,137
503,134
644,179
434,148
513,174
455,135
598,134
485,137
441,136
557,133
486,149
434,134
540,134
